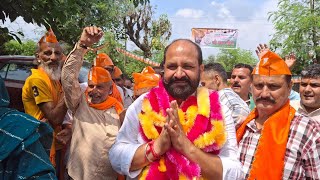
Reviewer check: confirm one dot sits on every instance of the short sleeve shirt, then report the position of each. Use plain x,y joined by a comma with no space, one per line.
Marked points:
35,91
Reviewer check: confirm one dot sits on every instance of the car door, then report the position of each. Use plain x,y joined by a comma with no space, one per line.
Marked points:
14,75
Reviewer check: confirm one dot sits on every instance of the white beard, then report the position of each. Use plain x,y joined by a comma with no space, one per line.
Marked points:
53,73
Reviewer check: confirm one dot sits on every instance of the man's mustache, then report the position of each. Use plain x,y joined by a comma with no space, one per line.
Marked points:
266,99
173,79
48,63
236,85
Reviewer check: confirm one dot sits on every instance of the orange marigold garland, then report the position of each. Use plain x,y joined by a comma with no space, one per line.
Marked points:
201,120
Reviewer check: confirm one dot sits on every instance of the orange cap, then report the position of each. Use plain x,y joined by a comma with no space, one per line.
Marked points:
50,37
102,60
145,80
116,72
271,64
99,75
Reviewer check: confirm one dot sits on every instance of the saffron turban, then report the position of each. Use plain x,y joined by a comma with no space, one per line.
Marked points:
49,37
99,75
116,72
271,64
102,60
145,80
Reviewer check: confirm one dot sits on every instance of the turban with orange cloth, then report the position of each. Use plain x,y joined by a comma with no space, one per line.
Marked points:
49,37
99,75
102,60
116,72
271,64
271,149
145,80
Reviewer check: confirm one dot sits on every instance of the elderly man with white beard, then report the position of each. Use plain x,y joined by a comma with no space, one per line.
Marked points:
42,93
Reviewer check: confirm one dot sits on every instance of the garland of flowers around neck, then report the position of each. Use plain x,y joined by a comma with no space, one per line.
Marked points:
201,120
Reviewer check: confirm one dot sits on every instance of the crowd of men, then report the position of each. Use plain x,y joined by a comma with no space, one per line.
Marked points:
182,120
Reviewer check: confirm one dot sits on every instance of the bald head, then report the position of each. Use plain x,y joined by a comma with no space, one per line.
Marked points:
184,43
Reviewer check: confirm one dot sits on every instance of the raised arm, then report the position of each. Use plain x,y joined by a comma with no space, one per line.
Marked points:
71,67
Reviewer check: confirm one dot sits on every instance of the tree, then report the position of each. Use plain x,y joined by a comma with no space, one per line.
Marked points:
148,35
297,25
13,47
230,57
63,16
126,64
133,65
210,59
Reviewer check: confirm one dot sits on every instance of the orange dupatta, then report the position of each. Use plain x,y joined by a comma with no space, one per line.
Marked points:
115,93
108,103
268,160
52,85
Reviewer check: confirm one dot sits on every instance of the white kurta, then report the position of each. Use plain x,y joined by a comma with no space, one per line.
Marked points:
129,139
93,131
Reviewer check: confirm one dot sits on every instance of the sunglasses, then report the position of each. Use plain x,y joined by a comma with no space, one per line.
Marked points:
117,79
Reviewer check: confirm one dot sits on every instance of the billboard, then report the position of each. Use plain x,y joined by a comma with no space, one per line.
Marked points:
215,37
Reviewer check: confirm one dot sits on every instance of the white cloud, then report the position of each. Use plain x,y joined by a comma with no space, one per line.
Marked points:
257,29
189,13
250,19
30,31
213,3
224,13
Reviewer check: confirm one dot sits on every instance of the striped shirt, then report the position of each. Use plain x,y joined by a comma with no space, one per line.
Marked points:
302,158
236,108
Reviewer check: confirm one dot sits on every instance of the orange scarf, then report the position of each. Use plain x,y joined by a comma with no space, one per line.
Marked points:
115,93
268,160
107,104
55,86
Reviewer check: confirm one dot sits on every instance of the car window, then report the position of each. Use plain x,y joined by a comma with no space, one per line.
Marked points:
3,71
19,72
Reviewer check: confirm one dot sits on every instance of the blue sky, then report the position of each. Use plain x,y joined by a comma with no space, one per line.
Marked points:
248,16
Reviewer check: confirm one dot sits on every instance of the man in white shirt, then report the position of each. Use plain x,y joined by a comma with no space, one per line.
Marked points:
168,132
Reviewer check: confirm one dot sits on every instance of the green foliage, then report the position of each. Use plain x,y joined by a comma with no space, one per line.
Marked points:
13,47
133,66
230,57
137,2
297,25
150,35
126,64
67,18
210,59
6,36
